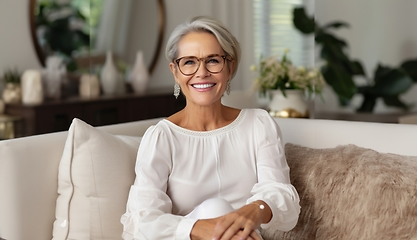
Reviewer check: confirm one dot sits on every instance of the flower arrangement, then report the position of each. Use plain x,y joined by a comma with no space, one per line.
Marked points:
275,74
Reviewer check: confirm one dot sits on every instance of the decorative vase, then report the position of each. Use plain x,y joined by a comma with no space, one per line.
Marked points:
54,75
139,75
89,86
293,105
12,93
110,77
32,88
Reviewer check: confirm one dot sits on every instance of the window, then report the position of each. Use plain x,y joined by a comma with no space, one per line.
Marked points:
274,32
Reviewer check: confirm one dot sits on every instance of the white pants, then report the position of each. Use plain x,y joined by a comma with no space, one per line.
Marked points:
211,208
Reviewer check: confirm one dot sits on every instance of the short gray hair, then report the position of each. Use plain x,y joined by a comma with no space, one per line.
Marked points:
227,41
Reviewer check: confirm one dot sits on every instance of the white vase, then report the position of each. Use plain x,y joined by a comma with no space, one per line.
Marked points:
32,87
293,105
139,76
89,86
109,76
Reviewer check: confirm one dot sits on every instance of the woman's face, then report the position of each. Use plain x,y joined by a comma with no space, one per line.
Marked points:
202,88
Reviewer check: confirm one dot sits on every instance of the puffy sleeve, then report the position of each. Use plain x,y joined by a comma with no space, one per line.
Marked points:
274,186
149,209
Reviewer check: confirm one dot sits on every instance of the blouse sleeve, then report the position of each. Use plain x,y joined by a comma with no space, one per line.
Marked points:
149,209
274,186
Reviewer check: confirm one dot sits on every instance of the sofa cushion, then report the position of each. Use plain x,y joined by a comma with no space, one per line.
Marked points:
349,192
95,175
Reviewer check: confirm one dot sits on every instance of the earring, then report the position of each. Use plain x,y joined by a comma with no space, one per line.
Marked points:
177,90
228,88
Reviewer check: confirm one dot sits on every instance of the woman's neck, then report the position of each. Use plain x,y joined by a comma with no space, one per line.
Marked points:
201,118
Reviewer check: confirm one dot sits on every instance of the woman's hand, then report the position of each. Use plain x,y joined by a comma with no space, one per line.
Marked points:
203,230
240,223
237,225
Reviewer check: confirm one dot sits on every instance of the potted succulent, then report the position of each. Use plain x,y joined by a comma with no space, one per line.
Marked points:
339,69
12,92
287,85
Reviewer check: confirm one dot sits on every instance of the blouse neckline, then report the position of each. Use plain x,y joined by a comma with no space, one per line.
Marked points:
223,129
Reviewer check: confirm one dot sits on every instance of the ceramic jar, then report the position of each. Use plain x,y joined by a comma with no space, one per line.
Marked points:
32,88
12,93
89,86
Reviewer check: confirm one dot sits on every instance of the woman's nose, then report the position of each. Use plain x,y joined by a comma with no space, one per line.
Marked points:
202,70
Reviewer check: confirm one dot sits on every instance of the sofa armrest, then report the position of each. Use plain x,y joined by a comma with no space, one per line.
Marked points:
28,185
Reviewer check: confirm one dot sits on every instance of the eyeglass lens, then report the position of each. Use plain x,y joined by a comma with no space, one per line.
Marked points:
190,65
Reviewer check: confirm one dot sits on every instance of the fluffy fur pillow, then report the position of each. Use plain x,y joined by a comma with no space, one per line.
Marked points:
349,192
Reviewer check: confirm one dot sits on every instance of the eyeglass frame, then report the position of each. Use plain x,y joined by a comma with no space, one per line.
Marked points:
199,60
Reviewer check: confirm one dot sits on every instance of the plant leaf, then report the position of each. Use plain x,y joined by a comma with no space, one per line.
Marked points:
336,24
328,39
340,80
368,103
395,101
410,67
391,82
302,22
380,72
356,68
332,48
365,90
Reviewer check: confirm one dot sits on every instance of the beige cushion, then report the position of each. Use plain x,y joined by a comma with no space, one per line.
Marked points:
95,175
349,192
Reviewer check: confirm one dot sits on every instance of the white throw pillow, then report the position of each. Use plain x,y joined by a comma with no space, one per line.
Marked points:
95,175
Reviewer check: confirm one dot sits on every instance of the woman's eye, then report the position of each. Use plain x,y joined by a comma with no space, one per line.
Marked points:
212,60
189,62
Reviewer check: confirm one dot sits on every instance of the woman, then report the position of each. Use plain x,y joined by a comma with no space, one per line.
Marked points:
209,171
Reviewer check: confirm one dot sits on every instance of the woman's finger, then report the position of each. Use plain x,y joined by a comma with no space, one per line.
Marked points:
231,231
222,226
255,235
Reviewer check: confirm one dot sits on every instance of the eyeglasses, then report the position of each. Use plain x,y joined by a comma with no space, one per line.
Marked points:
189,65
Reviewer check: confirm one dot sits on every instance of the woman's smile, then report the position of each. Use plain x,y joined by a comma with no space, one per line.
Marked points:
203,86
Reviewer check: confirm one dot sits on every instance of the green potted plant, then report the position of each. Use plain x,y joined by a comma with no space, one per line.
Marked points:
287,84
339,69
63,30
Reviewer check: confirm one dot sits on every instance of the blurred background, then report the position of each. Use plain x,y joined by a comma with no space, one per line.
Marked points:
375,32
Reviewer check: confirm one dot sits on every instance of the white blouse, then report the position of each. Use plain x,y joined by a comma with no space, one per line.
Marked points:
177,169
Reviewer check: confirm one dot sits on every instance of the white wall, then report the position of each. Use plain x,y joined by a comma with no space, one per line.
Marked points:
16,48
381,31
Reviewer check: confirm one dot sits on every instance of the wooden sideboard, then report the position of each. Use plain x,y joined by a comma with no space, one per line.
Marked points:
57,115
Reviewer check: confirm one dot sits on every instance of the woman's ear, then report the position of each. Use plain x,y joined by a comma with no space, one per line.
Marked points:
172,68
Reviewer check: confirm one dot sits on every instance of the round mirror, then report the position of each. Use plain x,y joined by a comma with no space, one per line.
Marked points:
123,27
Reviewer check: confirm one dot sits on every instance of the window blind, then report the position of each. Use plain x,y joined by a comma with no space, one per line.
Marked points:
274,32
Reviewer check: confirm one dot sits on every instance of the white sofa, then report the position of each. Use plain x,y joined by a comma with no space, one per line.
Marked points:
29,166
